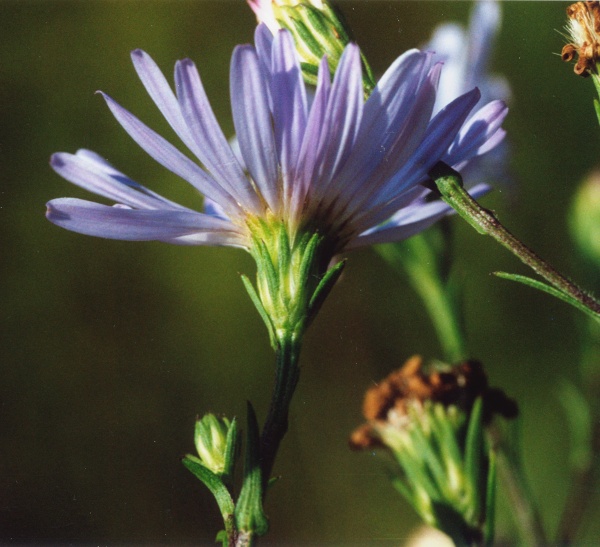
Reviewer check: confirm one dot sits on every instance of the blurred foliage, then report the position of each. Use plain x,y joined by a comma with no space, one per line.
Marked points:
110,349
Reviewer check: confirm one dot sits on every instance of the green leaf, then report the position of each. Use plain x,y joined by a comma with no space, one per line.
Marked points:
548,289
249,514
214,484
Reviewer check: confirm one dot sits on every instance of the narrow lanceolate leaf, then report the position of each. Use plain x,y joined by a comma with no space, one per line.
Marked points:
214,484
249,514
544,287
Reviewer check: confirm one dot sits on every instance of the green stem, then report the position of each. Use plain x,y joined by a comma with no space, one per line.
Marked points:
525,510
576,506
276,424
417,257
450,186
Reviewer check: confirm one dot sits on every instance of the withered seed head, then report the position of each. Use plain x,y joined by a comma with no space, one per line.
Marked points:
584,32
460,385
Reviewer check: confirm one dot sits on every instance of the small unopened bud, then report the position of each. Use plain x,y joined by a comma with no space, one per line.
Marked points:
583,30
318,30
215,440
585,218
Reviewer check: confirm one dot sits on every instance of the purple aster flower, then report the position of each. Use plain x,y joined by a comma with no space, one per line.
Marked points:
345,168
466,54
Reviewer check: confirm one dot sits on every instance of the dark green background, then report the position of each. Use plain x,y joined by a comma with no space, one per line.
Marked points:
110,349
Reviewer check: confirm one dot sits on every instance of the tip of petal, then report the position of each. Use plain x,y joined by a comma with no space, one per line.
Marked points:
185,63
474,93
56,160
138,53
53,215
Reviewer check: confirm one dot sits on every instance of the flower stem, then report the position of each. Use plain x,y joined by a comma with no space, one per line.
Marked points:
525,511
286,377
449,184
418,259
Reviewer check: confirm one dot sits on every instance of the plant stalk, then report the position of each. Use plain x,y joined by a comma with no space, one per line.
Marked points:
276,425
449,184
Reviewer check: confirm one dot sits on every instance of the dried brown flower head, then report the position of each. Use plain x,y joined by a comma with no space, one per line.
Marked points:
459,385
583,29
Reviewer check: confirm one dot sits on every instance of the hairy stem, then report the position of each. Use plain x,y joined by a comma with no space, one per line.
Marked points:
276,424
449,184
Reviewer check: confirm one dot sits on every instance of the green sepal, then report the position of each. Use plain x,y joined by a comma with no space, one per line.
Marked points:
445,432
403,489
418,477
283,255
308,46
474,456
428,454
324,28
490,501
597,109
310,73
214,483
596,80
260,308
308,254
324,288
249,514
267,269
368,77
544,287
231,451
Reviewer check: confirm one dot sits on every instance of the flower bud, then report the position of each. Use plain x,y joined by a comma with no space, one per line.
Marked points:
584,218
215,440
318,30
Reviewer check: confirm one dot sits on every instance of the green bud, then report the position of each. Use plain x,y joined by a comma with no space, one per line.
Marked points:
292,277
584,218
318,29
216,443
